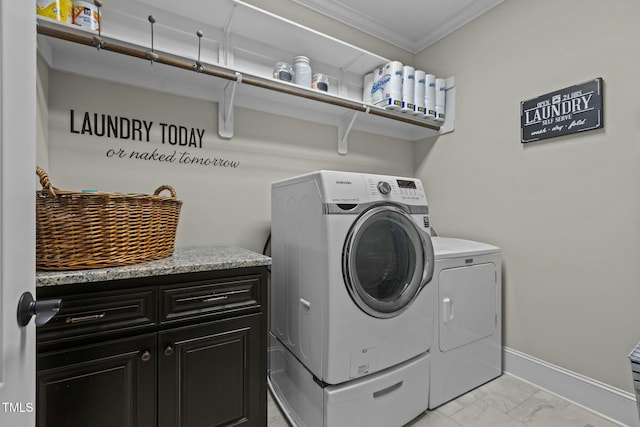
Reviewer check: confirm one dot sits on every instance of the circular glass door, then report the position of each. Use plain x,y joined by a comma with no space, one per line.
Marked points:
386,261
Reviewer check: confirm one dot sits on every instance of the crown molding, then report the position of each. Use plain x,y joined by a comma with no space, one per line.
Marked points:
468,14
334,9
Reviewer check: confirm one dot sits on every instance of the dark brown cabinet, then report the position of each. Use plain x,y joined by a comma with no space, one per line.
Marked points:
209,374
184,350
99,385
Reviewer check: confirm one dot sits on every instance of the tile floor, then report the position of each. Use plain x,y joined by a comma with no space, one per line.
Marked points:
504,402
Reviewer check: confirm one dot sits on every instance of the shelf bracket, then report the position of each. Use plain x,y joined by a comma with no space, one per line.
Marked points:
225,109
450,103
225,53
342,88
344,128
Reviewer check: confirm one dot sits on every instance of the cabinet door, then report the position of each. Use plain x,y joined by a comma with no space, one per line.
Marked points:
101,385
213,374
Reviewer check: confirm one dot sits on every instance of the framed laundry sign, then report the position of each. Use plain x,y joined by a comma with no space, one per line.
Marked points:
566,111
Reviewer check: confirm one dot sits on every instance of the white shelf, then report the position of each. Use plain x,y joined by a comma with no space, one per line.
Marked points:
239,38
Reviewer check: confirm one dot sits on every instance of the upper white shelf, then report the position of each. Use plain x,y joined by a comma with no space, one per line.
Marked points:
238,38
233,17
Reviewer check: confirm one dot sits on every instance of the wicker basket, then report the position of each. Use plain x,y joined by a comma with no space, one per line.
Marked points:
77,230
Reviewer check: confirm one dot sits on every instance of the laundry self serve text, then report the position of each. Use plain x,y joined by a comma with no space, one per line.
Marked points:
558,109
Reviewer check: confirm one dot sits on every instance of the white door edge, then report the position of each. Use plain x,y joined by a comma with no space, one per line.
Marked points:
17,208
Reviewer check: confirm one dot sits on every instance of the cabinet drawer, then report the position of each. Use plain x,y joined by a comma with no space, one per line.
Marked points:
209,297
101,312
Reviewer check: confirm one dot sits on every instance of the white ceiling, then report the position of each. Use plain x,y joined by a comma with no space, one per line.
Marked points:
409,24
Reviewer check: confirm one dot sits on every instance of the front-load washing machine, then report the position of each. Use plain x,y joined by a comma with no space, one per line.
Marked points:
351,257
467,329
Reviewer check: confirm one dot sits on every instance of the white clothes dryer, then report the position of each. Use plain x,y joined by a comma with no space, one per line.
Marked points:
467,328
351,256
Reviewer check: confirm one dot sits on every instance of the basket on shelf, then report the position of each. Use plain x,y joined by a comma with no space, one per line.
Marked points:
78,230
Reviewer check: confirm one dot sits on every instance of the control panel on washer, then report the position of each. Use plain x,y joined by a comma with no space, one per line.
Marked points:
400,189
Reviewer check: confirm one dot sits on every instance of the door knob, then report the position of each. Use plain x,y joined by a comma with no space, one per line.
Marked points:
43,310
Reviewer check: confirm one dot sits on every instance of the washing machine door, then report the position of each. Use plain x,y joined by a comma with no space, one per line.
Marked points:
386,261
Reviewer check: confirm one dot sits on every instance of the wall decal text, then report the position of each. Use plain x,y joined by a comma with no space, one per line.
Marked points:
120,127
179,157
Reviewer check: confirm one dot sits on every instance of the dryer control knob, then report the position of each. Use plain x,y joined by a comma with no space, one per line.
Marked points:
384,188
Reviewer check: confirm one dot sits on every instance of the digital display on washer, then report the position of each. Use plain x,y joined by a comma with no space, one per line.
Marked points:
403,183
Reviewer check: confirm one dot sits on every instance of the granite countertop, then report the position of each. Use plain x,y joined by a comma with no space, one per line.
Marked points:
183,260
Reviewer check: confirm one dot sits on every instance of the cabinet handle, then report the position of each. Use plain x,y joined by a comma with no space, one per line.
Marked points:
212,299
85,318
225,295
168,351
146,356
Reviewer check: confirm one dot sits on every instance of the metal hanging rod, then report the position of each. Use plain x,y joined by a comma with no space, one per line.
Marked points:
228,74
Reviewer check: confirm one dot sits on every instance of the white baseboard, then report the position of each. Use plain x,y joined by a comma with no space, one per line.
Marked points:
612,403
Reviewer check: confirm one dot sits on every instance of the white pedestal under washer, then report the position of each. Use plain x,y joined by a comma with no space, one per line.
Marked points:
352,257
467,328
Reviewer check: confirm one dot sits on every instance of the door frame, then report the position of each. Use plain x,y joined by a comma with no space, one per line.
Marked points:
17,209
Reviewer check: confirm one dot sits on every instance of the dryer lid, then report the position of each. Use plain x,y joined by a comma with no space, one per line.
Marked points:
449,247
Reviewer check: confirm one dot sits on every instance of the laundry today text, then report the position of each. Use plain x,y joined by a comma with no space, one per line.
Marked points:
120,127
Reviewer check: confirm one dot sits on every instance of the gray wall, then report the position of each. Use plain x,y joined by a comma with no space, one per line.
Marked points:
565,212
222,206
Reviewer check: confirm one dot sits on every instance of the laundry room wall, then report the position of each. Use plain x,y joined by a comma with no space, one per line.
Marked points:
222,205
565,211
